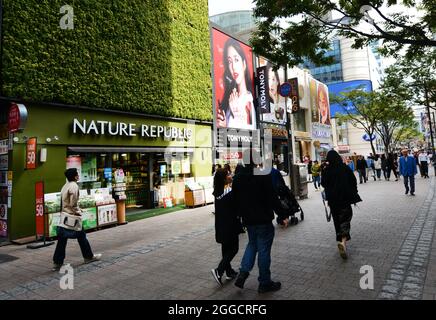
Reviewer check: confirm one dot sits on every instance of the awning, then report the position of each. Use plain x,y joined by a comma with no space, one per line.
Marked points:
132,149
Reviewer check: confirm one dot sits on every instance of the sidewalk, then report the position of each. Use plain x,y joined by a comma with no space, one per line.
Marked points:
170,256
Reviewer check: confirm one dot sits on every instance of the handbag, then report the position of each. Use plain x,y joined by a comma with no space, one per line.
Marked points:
70,221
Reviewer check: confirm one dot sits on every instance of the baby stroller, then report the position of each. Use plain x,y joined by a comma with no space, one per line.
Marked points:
290,205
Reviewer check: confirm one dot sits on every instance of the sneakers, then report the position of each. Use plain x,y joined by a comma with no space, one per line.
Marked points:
56,267
96,257
407,191
412,193
231,275
272,286
243,275
216,276
342,250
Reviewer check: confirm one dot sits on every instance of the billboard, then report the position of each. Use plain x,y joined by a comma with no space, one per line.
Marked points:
233,83
323,104
277,103
337,88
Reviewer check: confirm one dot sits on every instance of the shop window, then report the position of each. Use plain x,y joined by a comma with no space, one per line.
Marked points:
300,120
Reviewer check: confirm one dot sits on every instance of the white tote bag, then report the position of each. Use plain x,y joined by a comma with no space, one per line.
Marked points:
70,221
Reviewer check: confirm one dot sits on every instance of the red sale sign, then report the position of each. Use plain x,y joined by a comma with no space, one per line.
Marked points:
31,153
39,208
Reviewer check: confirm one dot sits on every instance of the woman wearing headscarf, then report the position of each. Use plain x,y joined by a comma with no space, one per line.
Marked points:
340,186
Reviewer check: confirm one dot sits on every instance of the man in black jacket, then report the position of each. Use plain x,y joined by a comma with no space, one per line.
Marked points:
256,202
361,167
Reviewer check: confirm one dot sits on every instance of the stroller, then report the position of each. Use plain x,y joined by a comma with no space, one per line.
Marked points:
289,204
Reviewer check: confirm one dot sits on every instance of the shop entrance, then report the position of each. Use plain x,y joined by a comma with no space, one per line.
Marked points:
152,179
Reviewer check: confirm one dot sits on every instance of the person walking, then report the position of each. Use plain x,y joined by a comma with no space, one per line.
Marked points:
227,226
423,161
392,166
256,202
370,163
408,171
341,192
384,164
309,170
316,174
378,166
350,164
69,205
361,166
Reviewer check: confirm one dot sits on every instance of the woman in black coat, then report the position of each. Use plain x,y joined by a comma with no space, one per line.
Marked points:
340,186
227,226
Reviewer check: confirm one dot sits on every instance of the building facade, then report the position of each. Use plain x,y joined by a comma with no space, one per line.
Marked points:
122,92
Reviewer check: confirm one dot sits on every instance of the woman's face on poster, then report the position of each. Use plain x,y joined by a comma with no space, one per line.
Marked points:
273,82
323,109
237,65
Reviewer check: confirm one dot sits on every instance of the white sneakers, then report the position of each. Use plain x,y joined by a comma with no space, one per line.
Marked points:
96,257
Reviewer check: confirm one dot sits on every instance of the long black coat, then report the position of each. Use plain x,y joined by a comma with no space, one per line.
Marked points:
227,222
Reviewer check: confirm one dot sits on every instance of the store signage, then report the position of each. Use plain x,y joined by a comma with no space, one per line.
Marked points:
39,208
4,162
100,127
263,96
232,155
276,132
344,148
3,178
366,137
3,228
176,167
285,89
31,153
17,117
321,131
3,211
295,100
4,146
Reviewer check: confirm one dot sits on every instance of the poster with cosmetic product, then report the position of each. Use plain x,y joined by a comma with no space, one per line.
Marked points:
89,168
107,214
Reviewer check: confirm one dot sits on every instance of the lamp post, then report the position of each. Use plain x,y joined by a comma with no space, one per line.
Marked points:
430,122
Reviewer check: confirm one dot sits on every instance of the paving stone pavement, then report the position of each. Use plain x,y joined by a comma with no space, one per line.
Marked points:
170,256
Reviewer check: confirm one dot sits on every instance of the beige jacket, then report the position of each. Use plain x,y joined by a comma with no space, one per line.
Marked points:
70,198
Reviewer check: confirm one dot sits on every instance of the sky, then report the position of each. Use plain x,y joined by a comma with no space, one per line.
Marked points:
220,6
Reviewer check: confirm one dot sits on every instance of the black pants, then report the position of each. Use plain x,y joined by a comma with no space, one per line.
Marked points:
342,220
229,250
424,169
63,236
394,171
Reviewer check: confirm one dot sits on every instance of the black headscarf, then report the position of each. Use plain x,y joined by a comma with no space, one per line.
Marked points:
334,159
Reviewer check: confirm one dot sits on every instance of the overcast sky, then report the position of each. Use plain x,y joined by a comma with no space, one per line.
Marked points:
220,6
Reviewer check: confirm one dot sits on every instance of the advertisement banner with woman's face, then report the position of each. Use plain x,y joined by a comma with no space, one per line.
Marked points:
313,100
323,104
277,102
233,83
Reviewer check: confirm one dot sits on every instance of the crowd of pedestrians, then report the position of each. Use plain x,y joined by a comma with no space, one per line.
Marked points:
246,202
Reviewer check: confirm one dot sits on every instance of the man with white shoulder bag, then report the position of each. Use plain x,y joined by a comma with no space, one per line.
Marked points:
70,224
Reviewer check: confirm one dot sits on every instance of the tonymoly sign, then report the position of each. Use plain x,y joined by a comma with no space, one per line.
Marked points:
100,127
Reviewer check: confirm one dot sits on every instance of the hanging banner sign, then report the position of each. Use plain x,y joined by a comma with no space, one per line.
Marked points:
17,117
31,153
4,146
39,208
295,99
263,92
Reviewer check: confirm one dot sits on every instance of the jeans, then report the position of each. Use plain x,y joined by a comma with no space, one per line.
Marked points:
260,240
412,183
229,251
378,173
63,236
317,180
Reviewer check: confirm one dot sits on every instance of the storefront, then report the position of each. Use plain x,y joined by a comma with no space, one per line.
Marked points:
144,161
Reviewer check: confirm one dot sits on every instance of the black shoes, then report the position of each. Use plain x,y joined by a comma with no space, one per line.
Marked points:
231,275
216,276
272,286
412,193
407,192
240,280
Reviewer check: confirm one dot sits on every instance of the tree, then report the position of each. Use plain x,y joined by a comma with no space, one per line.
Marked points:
407,135
360,109
289,31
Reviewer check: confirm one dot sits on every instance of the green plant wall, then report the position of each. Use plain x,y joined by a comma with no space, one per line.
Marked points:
149,56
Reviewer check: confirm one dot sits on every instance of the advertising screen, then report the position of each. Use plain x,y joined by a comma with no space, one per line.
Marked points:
337,88
233,83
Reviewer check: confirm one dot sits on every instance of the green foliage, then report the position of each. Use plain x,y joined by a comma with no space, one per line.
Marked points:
148,56
299,29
